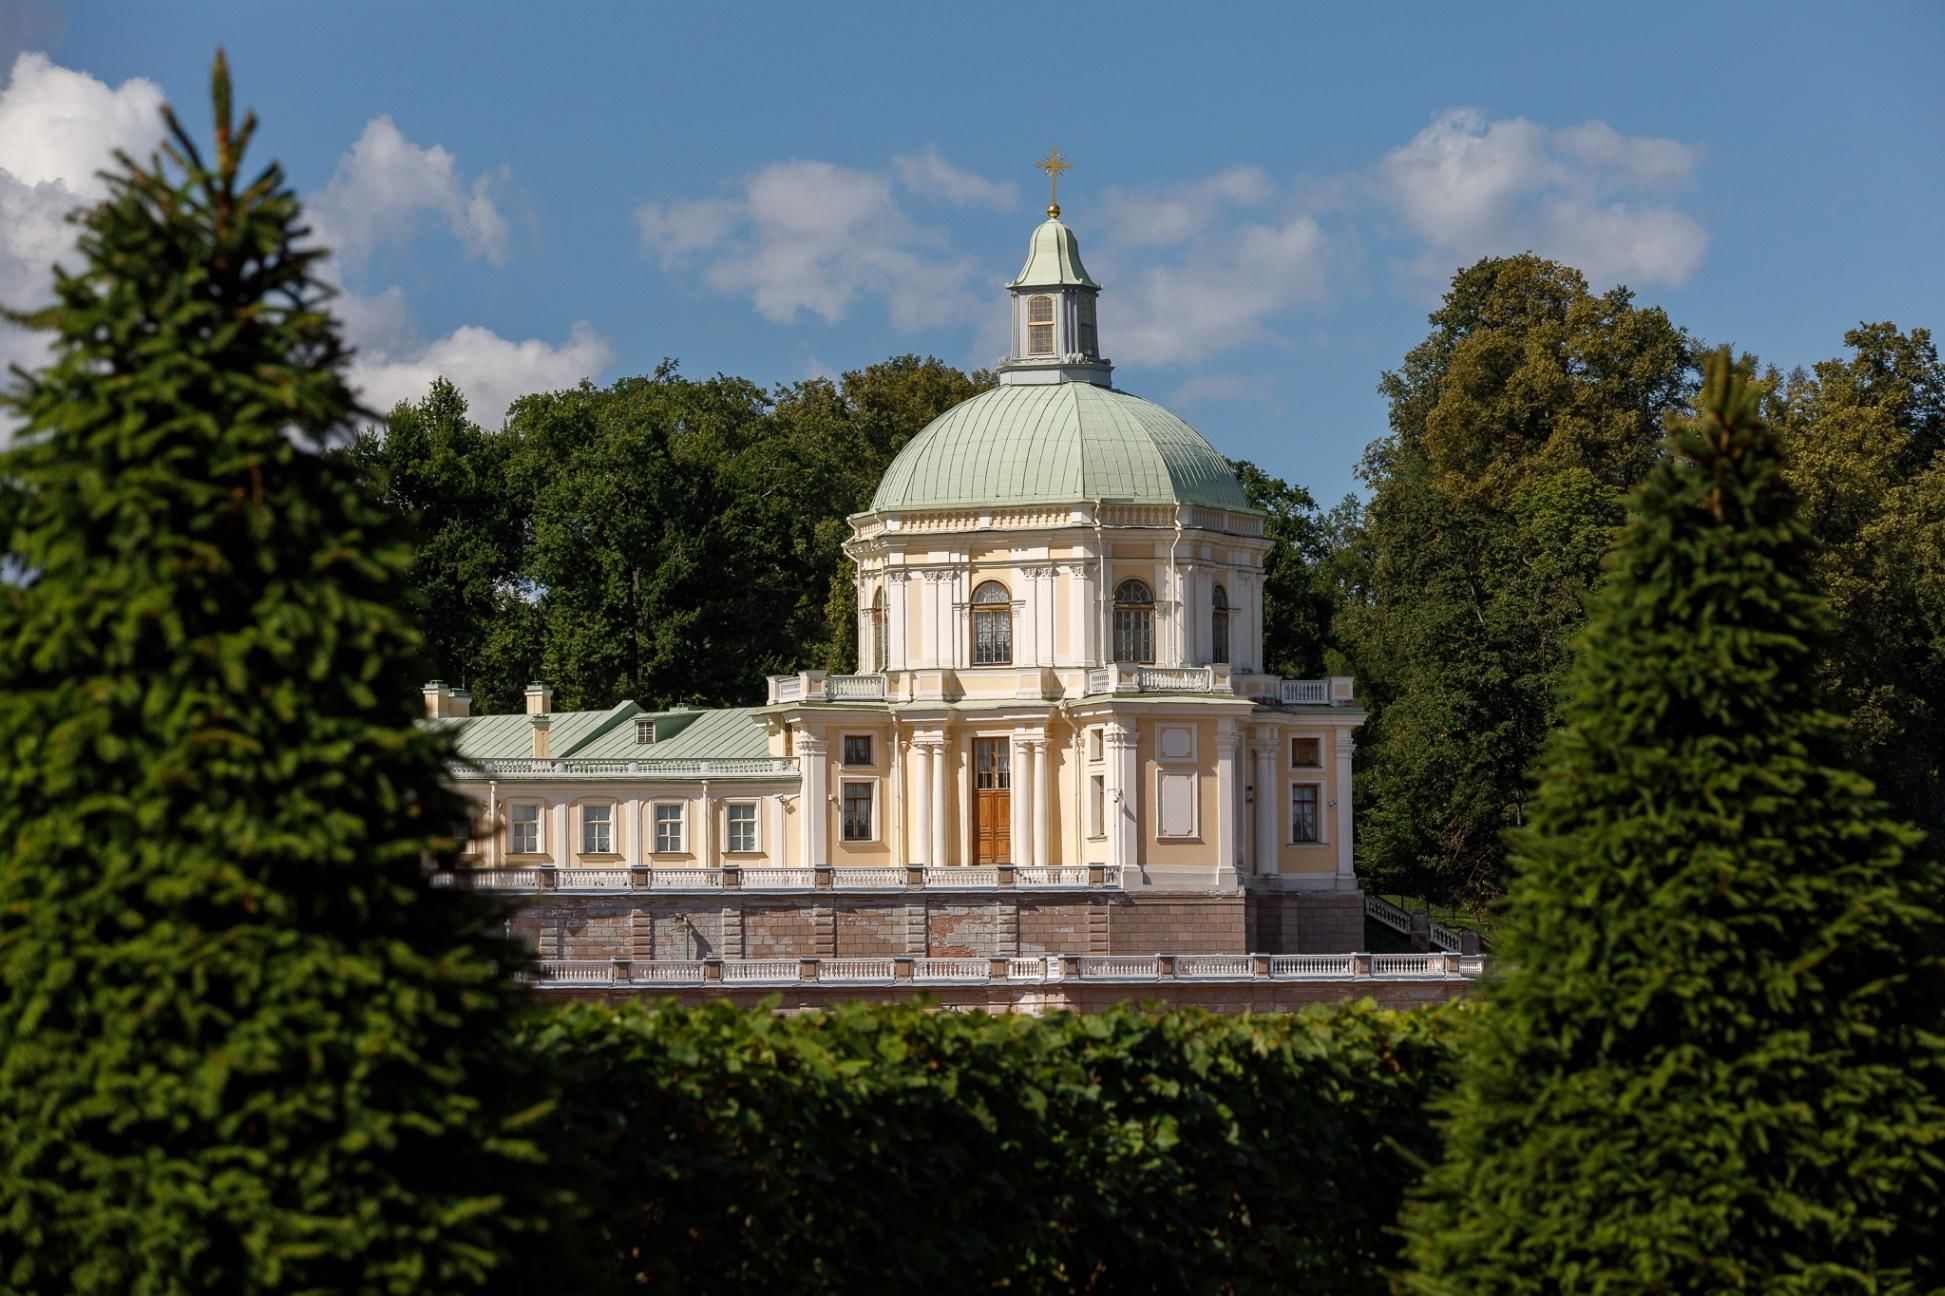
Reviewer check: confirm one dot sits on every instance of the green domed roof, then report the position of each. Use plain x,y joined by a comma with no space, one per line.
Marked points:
1057,443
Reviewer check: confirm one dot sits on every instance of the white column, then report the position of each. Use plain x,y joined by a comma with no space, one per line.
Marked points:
923,805
1266,797
1346,867
563,852
937,763
631,832
706,829
775,849
1043,854
897,617
815,828
1124,795
1020,824
1226,745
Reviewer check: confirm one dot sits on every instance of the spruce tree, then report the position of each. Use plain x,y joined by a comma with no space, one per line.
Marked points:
243,1045
1714,1062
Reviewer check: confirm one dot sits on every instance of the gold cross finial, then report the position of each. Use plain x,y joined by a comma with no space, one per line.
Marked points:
1054,165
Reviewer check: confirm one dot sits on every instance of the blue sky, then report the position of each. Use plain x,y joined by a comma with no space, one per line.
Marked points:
1273,195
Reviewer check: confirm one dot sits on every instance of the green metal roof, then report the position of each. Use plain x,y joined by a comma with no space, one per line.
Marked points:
583,735
1053,259
1057,443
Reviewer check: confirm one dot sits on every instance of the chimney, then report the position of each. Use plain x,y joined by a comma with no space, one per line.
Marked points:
438,699
540,699
541,723
461,703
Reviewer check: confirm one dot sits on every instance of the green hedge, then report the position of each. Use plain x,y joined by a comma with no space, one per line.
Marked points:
903,1149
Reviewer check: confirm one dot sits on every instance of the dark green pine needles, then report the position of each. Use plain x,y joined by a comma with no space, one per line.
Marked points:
243,1046
1714,1062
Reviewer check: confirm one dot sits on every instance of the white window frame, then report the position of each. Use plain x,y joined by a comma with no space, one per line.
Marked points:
1290,812
614,827
681,827
1297,738
1195,805
1096,745
1053,333
877,802
756,828
540,827
869,737
1097,807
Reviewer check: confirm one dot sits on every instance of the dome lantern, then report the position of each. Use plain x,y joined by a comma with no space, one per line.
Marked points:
1055,339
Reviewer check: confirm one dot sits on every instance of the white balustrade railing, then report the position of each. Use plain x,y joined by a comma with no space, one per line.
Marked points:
576,971
1052,875
500,879
766,971
1100,681
1175,679
443,882
1386,912
1120,967
664,972
1472,965
768,878
856,969
951,969
1304,692
854,688
1214,966
685,879
955,875
1313,967
790,688
616,768
591,879
1407,965
1444,937
1032,969
867,879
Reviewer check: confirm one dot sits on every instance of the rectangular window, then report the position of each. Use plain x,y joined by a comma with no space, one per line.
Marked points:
1097,805
1094,744
597,829
1303,813
668,828
742,828
1305,753
1040,339
857,749
857,812
523,830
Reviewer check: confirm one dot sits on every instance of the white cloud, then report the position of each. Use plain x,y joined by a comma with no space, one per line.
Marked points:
1582,195
1260,388
931,176
386,184
1177,213
393,364
1233,281
813,236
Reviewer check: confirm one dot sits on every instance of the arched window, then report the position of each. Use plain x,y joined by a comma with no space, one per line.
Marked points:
1040,326
1134,623
1219,625
992,625
879,655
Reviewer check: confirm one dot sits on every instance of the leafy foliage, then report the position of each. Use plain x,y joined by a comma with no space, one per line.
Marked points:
1517,428
1864,435
875,1148
662,539
1715,1063
1299,597
243,1046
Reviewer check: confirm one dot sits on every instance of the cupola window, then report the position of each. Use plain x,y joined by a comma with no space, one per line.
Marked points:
1089,347
992,625
1219,625
1134,623
879,655
1040,325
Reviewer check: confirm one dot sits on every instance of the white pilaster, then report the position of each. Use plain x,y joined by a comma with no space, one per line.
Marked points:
563,851
1124,795
897,618
629,831
1227,743
1020,822
1266,798
924,803
1042,802
706,829
815,828
1346,867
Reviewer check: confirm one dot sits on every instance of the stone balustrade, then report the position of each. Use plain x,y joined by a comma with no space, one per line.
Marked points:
768,879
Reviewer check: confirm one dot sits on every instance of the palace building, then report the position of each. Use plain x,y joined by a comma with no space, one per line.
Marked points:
1060,740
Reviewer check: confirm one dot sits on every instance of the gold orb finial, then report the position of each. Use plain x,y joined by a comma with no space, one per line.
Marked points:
1054,165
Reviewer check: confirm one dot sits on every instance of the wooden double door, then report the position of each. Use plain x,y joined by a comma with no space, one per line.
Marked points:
993,800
